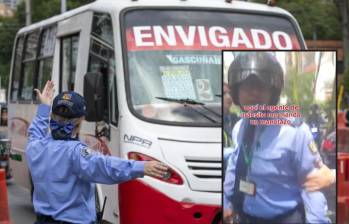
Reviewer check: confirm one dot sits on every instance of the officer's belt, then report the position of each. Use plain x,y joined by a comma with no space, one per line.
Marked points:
275,220
49,219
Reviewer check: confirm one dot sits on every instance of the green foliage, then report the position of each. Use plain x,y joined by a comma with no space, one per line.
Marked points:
45,9
8,29
344,80
9,26
5,72
320,17
299,90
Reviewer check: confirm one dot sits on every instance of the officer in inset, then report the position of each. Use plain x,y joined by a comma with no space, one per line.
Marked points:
64,170
265,174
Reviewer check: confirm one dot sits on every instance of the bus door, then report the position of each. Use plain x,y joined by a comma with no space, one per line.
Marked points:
106,136
72,37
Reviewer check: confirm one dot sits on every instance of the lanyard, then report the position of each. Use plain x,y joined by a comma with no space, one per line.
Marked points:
248,154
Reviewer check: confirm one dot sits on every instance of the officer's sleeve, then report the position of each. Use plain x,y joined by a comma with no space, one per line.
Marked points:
306,154
39,126
95,167
229,180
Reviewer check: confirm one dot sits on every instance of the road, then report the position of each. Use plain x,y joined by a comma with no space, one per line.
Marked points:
21,209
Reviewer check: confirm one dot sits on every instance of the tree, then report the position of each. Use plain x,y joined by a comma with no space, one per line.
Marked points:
317,18
343,8
8,30
9,26
45,9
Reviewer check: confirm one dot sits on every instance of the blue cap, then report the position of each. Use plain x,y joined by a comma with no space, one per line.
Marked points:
73,103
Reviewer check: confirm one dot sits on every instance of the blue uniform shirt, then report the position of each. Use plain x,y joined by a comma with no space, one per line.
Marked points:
64,173
282,157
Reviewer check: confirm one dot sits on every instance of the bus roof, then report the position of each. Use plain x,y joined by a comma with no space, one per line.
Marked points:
112,6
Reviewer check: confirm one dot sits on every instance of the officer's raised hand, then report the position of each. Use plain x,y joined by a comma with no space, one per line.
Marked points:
46,95
155,169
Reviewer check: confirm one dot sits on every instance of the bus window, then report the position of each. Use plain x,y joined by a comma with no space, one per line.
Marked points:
27,79
102,60
46,56
17,68
114,102
69,53
102,28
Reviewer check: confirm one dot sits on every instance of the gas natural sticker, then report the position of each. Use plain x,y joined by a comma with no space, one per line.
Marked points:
194,59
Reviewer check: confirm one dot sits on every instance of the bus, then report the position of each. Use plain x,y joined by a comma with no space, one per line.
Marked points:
151,74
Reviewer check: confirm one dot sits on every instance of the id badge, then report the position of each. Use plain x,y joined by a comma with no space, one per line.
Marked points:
247,187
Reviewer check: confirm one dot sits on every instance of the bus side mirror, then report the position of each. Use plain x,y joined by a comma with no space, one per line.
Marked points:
94,96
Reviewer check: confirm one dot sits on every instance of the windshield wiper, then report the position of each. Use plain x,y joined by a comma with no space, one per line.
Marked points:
186,102
181,101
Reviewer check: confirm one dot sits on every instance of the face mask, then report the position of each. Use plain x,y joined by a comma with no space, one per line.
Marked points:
61,130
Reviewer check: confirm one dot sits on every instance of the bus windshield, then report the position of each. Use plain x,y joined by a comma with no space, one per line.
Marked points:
174,71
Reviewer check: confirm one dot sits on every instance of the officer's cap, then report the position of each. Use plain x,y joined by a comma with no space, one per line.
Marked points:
69,104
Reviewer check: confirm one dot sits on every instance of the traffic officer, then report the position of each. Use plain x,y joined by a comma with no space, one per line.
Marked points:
63,169
263,182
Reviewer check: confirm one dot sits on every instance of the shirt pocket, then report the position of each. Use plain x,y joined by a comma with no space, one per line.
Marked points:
276,163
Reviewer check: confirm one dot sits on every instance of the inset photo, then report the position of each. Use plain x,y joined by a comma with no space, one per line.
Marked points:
279,136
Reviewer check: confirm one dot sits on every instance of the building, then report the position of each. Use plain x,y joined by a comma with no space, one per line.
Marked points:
5,11
11,3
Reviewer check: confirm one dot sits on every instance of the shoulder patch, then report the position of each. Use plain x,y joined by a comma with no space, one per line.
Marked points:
313,147
85,152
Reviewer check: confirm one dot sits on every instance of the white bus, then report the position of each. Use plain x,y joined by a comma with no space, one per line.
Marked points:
151,73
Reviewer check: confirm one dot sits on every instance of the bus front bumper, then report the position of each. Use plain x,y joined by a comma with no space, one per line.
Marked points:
140,203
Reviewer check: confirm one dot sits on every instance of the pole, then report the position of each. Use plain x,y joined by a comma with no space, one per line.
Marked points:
63,6
28,12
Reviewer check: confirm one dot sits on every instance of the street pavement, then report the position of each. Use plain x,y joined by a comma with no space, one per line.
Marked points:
20,206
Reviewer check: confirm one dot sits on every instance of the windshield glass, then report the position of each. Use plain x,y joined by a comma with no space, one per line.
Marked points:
174,59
